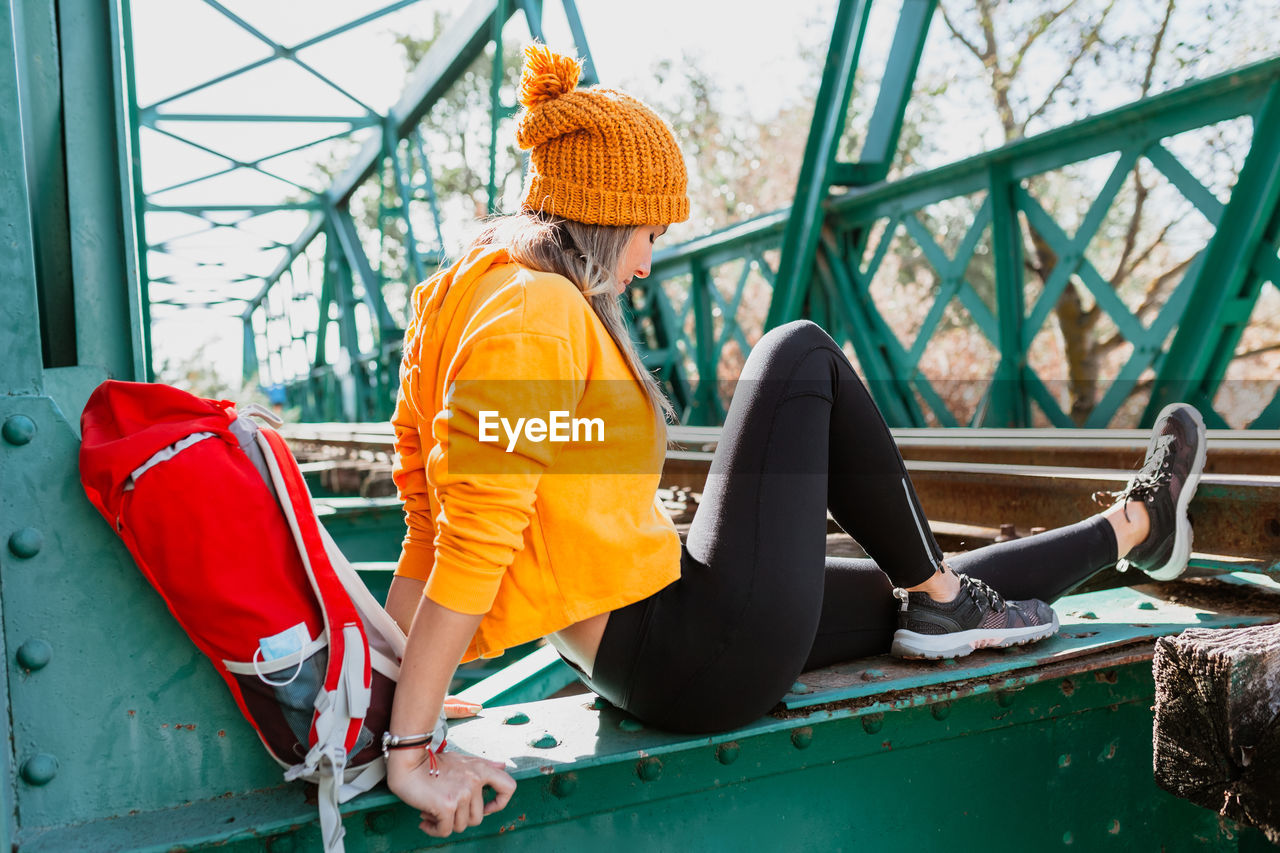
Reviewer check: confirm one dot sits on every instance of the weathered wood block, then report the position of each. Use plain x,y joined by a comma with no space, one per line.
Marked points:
1217,737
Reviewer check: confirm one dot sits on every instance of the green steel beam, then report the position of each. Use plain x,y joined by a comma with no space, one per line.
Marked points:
460,45
1223,296
110,329
885,126
1008,405
800,241
131,172
42,98
20,343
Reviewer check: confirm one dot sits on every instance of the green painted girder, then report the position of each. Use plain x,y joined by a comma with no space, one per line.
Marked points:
1132,134
480,24
844,761
819,169
800,241
1237,263
77,231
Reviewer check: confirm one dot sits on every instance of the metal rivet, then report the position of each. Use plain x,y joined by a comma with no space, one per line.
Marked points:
630,725
564,784
649,769
942,710
39,769
800,688
872,723
517,719
1146,605
1114,827
1064,760
380,823
599,704
727,753
19,430
26,543
802,737
34,654
544,741
1068,838
1006,698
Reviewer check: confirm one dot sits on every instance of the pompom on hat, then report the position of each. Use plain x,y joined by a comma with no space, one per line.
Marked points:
596,155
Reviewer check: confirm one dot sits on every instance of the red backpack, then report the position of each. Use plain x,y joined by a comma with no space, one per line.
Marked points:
309,655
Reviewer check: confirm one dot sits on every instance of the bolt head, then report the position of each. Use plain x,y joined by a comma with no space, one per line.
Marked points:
39,769
26,543
942,710
564,784
34,654
649,769
727,753
802,737
872,723
18,430
544,741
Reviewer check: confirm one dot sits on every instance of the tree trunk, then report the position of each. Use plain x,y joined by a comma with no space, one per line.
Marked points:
1217,734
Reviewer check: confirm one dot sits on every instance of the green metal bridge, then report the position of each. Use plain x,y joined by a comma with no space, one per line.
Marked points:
121,737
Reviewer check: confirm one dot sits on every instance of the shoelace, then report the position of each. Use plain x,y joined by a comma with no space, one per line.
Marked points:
1154,474
976,589
988,596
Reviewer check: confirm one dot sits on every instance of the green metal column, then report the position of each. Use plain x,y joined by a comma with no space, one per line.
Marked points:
20,340
885,125
800,242
1227,286
111,328
1008,405
706,403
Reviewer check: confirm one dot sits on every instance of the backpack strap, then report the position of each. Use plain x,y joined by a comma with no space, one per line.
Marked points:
344,701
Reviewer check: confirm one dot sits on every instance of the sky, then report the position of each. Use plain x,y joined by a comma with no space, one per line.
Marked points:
178,44
751,48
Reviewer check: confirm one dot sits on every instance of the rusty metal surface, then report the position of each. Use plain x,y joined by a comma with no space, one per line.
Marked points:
1104,621
1234,515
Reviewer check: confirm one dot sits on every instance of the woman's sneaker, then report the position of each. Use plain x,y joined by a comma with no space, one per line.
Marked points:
977,618
1164,485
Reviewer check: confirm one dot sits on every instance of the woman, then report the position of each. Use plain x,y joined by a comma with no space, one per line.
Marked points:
522,525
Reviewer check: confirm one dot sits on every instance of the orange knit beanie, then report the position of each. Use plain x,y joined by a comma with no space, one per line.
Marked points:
596,155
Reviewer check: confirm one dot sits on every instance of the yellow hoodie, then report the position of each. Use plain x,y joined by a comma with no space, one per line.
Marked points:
541,522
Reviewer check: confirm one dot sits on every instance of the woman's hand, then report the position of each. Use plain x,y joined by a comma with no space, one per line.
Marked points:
454,800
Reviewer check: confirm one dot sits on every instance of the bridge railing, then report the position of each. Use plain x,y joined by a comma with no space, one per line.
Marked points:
983,258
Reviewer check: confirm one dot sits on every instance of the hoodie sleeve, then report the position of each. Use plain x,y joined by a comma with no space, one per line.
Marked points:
418,551
486,462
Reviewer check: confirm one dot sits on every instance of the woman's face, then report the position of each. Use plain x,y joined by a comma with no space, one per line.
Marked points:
638,255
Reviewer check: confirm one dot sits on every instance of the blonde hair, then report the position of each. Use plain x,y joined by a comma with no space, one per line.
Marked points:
588,256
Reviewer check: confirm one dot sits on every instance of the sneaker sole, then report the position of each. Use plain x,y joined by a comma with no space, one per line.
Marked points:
909,644
1177,562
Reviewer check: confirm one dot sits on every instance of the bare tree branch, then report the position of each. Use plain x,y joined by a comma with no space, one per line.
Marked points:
1259,351
1086,43
1135,222
1153,292
1151,247
960,37
1038,29
1155,48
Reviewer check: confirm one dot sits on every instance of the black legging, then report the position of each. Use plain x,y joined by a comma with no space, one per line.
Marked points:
758,601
